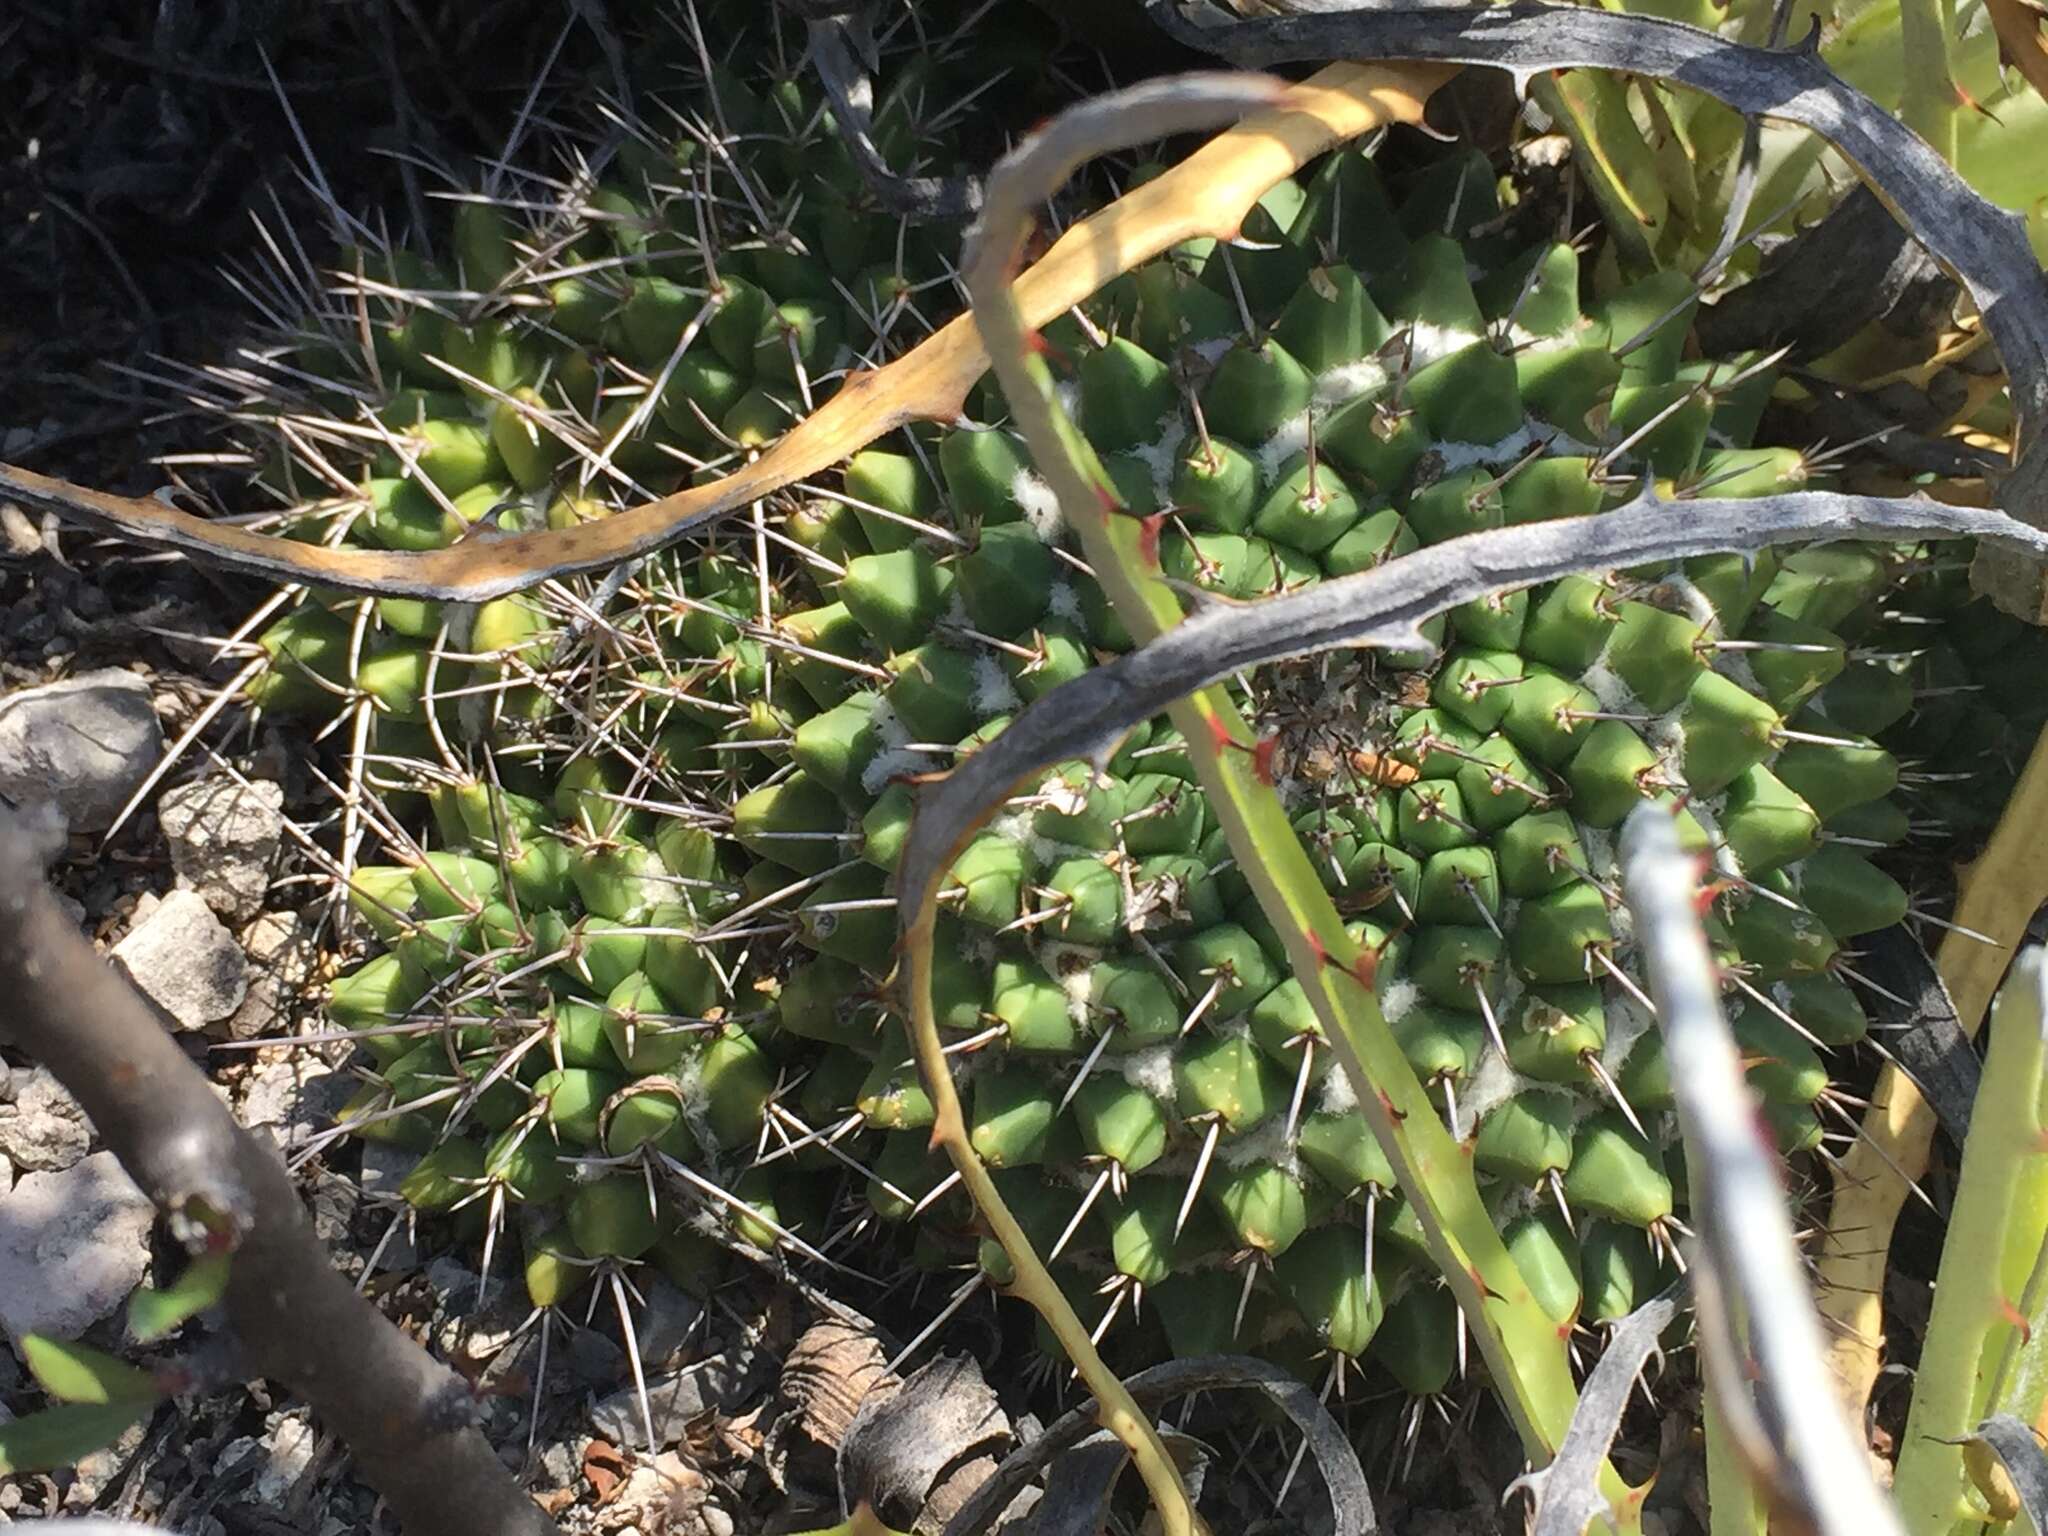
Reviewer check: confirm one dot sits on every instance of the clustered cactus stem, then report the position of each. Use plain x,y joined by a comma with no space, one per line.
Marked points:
1363,98
1522,1345
1266,963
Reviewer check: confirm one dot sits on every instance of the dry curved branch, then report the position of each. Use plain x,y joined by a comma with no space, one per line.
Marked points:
408,1420
1350,1498
1566,1494
1384,607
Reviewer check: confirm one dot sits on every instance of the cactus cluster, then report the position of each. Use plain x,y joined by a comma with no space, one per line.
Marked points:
1326,395
552,810
638,932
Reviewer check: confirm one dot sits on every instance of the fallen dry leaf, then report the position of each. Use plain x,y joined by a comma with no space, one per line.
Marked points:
604,1468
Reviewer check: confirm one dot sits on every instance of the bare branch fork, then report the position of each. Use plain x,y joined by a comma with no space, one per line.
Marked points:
408,1420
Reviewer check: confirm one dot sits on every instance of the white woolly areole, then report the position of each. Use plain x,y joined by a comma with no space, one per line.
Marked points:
1161,456
1338,1095
1512,1202
1012,827
1073,968
1350,381
1398,999
993,692
1666,732
1530,434
1523,340
1040,506
1432,343
1486,1090
1266,1142
1605,684
1150,1070
688,1076
1289,439
1691,601
1627,1023
1065,602
893,759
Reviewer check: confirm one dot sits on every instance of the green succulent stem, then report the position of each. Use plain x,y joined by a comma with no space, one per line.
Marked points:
1522,1344
1592,109
1353,100
1996,1227
1931,100
1033,1282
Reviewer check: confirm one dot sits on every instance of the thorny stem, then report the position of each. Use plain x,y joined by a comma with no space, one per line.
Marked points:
1738,1204
1521,1343
1998,896
1337,104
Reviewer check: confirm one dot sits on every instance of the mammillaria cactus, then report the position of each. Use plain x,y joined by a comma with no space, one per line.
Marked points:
660,874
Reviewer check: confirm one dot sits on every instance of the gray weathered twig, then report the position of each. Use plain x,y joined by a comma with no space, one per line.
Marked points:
1566,1493
1350,1499
408,1420
1738,1198
917,198
1385,607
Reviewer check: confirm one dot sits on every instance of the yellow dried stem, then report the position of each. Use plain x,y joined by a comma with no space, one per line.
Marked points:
1998,895
1208,194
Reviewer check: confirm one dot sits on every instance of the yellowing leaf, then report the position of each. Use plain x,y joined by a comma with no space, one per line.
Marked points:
76,1373
154,1313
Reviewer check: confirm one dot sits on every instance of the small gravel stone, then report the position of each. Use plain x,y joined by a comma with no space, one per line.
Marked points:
43,1130
288,1444
596,1360
559,1462
223,834
675,1400
73,1244
293,1099
185,961
335,1200
282,958
384,1166
666,1323
84,744
92,1474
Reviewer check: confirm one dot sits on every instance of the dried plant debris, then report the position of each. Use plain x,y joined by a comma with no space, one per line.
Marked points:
921,1449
